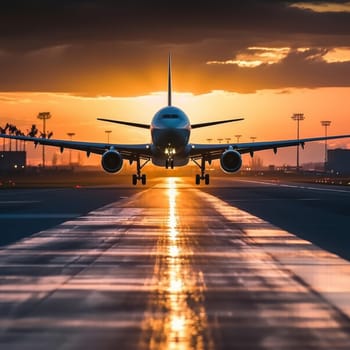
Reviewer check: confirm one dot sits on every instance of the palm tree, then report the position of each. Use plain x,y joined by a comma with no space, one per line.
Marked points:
23,142
3,131
33,131
17,132
12,130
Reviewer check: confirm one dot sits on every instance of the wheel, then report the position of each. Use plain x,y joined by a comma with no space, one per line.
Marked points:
143,179
172,164
207,179
134,179
198,179
166,164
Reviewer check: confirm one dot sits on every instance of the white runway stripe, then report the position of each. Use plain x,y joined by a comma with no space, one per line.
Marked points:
324,272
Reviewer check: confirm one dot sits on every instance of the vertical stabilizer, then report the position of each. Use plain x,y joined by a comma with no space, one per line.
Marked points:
169,80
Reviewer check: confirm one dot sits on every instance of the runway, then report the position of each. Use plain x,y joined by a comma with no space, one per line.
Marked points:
174,266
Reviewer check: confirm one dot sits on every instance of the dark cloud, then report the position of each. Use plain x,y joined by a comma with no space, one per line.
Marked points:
120,47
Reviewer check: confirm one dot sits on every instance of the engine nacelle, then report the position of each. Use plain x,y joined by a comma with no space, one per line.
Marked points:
230,161
112,161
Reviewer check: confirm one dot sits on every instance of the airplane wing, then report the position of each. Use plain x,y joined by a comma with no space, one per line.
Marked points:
202,125
137,125
214,151
147,126
127,151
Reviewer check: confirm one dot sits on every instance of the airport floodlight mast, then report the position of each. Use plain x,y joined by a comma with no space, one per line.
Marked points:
326,124
44,116
228,139
238,137
108,132
70,134
253,138
298,117
209,140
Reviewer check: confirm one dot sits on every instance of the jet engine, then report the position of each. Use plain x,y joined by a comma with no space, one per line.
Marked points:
230,161
112,161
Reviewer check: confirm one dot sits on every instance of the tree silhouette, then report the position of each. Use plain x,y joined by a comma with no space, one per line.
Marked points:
17,132
3,131
33,131
12,130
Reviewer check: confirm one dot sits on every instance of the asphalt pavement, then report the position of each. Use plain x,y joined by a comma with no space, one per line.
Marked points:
175,266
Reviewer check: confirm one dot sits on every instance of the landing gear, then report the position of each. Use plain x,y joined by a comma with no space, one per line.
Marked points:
202,175
169,163
139,176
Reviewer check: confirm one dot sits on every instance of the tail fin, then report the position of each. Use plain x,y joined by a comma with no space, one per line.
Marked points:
169,80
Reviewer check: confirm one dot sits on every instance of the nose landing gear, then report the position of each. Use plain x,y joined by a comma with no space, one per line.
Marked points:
169,163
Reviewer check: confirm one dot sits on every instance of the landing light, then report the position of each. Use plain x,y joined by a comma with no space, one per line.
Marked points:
170,151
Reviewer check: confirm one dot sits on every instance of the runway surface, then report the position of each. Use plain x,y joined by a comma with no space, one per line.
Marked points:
172,266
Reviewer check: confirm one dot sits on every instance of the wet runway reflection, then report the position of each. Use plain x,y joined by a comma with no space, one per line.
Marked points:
172,267
176,318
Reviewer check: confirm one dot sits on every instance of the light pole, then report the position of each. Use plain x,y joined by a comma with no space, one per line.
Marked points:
228,139
326,124
298,117
253,138
108,132
238,137
209,140
220,140
70,134
44,116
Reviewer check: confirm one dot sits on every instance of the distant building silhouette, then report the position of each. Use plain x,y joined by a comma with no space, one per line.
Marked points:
339,161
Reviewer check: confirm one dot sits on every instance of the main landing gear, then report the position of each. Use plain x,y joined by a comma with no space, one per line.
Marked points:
139,177
202,176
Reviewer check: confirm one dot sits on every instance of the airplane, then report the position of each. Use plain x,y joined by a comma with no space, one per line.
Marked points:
170,147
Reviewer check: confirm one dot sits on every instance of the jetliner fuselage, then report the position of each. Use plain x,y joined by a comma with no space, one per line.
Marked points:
170,133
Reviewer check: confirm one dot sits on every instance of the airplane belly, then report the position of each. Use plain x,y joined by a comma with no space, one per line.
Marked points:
160,161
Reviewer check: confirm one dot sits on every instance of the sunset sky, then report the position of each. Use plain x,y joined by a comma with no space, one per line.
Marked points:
263,60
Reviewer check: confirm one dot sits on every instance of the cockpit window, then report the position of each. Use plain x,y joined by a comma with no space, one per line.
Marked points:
170,116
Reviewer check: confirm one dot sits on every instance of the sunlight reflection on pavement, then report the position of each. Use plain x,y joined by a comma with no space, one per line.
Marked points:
176,318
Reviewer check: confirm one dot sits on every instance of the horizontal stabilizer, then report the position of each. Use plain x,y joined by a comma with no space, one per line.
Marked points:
202,125
137,125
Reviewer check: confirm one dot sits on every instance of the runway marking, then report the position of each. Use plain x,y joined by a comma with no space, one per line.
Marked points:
273,200
323,271
35,216
296,186
18,202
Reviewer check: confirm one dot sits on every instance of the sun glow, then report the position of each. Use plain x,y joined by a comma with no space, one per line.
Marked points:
323,7
255,56
338,54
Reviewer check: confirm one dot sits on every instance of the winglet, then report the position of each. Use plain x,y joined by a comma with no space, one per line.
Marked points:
169,79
